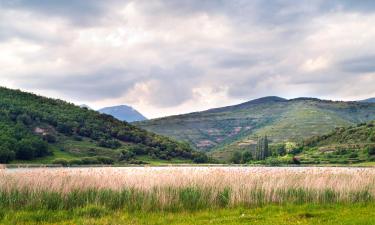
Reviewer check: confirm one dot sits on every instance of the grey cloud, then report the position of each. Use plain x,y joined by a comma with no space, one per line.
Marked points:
105,83
174,85
80,12
363,64
259,54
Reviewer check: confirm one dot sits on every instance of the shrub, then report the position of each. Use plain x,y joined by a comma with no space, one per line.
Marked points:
126,155
75,162
49,138
62,162
371,150
89,160
201,158
6,155
353,155
236,157
77,138
105,160
246,157
109,143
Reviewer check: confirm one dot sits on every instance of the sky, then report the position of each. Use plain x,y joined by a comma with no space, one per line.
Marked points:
167,57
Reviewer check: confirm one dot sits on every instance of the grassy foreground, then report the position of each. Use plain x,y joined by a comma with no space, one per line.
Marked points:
187,195
271,214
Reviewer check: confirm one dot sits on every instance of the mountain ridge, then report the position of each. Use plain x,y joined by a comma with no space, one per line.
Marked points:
123,112
281,119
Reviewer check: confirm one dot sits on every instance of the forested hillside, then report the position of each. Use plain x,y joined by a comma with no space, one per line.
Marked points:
225,130
33,127
344,145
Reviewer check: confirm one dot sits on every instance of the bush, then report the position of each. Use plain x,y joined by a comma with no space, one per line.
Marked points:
126,155
353,155
371,150
246,157
6,155
28,148
75,162
62,162
201,158
236,158
109,143
89,160
105,160
77,138
49,138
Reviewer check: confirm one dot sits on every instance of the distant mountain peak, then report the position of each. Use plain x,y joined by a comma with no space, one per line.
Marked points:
369,100
267,99
123,112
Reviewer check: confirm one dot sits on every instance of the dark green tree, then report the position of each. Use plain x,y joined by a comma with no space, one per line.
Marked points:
262,151
236,157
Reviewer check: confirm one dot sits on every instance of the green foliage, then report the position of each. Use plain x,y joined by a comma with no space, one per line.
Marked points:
371,150
6,155
247,156
126,155
262,151
105,160
30,125
201,158
63,162
342,146
236,158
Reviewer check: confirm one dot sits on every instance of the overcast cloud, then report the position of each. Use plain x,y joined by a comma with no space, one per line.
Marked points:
168,57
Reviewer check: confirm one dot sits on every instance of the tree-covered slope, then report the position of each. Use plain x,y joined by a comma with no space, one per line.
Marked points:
343,145
224,130
32,126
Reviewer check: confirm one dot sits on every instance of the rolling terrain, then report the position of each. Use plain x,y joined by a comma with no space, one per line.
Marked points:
44,130
224,130
353,144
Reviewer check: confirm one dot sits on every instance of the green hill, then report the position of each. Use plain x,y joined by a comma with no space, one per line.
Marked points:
39,129
224,130
343,145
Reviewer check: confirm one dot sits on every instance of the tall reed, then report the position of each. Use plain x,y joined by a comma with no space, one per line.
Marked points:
182,188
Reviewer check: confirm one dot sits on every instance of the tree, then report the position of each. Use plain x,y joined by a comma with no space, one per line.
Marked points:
6,155
236,157
262,151
201,158
246,156
126,155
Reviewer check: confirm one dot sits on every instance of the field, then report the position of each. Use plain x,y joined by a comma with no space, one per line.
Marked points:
185,194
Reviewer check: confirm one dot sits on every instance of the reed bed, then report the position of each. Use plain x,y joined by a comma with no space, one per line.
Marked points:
182,188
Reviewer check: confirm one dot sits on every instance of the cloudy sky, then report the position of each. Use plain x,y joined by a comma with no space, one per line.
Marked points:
168,57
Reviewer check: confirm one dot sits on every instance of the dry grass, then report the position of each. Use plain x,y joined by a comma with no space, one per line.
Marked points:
202,186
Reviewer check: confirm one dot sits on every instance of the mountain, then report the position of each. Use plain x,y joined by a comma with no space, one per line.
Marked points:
40,129
343,145
124,113
224,130
369,100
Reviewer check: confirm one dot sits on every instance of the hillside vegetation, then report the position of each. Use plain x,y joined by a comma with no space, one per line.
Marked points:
344,145
39,129
222,131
